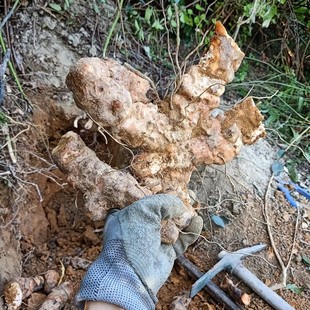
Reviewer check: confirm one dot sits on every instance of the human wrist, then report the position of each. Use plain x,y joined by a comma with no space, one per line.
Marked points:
100,305
111,279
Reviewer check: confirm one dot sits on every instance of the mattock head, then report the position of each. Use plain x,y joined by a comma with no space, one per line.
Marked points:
227,262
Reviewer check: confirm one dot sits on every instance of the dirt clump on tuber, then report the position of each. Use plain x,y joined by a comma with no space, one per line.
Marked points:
169,137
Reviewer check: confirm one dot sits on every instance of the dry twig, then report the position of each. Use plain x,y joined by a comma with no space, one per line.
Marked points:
274,247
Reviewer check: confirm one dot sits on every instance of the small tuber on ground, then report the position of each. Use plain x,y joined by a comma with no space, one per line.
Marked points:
180,302
58,297
168,137
236,293
19,289
51,279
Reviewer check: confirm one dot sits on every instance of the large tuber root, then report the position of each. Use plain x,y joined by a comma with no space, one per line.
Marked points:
170,137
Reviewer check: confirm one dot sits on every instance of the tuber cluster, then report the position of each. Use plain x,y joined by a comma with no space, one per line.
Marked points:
19,289
169,137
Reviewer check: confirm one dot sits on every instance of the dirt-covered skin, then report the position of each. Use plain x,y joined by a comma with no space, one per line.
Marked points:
55,233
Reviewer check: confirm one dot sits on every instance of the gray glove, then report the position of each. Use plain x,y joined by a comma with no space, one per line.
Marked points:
134,264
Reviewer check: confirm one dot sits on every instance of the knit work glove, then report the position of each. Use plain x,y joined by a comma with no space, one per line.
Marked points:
134,264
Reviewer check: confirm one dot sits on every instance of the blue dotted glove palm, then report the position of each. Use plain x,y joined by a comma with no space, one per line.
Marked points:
134,264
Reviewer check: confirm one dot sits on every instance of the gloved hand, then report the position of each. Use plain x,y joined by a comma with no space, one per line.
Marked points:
134,264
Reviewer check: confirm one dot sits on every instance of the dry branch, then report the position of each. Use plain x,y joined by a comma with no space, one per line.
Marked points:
170,137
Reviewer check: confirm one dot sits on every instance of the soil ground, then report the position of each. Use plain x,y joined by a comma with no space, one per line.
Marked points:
43,224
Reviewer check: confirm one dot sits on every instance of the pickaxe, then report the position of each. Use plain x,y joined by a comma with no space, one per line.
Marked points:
232,263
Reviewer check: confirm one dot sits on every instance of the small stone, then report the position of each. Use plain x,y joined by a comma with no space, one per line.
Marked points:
75,39
286,217
245,242
267,282
90,237
93,51
180,302
69,270
49,22
304,225
169,232
298,258
236,209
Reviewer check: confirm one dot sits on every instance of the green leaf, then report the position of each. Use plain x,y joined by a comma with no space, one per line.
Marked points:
182,17
148,14
156,25
3,118
218,220
266,23
277,168
137,26
300,104
173,23
196,20
280,153
294,288
67,4
147,51
141,34
199,7
55,7
305,259
169,12
96,8
269,16
291,166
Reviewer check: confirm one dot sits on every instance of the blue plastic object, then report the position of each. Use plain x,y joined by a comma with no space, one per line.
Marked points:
288,195
301,190
287,192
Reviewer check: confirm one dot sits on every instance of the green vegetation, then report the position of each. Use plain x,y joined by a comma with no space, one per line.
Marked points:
64,5
283,100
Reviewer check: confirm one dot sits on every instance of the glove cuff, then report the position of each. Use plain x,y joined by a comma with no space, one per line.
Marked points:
112,279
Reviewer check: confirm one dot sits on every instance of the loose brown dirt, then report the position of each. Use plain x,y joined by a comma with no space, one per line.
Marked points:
43,222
